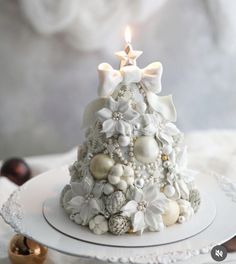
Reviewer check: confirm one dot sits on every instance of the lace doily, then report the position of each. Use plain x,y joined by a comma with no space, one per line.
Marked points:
12,212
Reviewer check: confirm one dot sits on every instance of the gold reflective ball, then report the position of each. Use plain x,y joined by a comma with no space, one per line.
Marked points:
22,250
100,165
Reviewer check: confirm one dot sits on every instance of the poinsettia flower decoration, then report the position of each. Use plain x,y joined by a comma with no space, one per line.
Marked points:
146,208
86,202
116,117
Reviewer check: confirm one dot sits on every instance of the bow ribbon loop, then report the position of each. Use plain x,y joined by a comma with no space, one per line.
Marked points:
152,77
149,77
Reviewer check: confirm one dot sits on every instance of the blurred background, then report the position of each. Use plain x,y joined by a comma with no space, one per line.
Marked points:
50,49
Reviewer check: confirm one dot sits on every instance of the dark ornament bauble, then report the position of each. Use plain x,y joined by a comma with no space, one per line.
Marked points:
16,170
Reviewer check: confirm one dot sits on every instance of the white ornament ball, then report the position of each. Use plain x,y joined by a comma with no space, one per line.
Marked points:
113,179
108,189
124,141
146,149
171,215
169,191
116,170
122,185
139,183
100,166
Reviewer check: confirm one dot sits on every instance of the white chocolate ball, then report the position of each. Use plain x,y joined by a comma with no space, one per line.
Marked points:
171,215
129,180
128,171
116,170
108,189
100,166
113,179
146,149
169,191
123,141
122,185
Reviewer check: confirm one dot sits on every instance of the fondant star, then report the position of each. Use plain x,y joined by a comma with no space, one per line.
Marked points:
128,56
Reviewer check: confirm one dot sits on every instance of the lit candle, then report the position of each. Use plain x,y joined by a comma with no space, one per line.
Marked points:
128,56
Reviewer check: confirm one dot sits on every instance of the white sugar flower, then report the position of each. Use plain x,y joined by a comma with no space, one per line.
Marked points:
146,208
180,159
85,203
150,124
116,117
165,134
98,225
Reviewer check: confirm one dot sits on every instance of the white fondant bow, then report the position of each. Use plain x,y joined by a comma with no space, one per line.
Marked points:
149,77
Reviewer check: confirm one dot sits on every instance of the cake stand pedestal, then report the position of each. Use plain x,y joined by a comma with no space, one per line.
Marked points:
24,212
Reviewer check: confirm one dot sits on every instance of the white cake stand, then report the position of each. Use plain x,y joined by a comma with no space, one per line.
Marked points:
24,212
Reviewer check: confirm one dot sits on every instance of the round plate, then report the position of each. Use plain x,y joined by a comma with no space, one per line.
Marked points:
56,217
23,211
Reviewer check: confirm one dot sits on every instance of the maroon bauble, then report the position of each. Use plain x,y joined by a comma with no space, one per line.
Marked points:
16,170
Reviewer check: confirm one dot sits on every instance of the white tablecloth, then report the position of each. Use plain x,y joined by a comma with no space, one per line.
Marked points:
208,151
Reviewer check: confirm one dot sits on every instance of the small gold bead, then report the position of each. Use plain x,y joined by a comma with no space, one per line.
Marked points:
131,231
164,157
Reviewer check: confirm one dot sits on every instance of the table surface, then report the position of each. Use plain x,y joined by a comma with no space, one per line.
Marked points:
213,151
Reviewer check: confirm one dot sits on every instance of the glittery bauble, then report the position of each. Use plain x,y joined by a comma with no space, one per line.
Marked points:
16,170
195,199
100,166
22,250
114,202
119,224
146,149
171,215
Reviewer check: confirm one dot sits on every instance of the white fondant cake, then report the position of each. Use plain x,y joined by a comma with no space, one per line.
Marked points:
131,174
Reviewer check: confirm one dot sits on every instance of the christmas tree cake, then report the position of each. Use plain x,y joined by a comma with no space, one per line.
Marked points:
131,174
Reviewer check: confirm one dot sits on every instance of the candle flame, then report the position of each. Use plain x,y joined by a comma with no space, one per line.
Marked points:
128,34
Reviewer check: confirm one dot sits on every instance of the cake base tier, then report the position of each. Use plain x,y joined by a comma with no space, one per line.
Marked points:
57,218
23,211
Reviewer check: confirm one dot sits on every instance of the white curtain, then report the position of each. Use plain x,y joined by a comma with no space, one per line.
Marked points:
87,25
92,24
